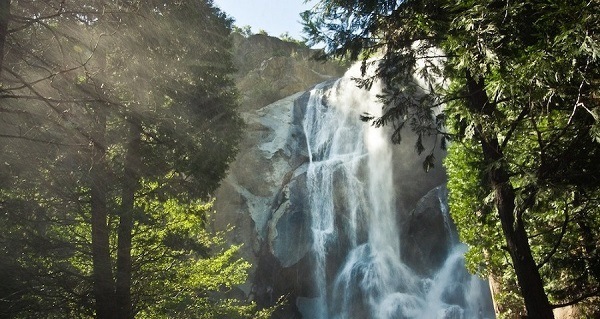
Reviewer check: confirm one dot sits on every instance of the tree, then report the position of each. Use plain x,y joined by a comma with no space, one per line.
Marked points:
4,17
119,120
518,86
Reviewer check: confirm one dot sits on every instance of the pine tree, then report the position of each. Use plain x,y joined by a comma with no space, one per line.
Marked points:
119,121
518,87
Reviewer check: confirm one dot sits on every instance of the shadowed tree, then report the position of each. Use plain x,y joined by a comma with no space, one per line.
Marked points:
119,120
518,87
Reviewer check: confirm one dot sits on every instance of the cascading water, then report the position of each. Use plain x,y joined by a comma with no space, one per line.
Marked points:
354,210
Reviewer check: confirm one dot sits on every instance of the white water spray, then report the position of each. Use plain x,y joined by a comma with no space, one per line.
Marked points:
352,202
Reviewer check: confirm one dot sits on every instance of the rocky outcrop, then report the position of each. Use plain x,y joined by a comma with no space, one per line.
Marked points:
270,69
427,233
260,197
260,175
264,196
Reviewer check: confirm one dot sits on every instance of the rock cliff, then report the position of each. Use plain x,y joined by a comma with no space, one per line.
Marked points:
272,76
270,69
264,194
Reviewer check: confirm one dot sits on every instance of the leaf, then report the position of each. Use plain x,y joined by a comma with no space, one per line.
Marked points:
428,162
397,135
419,144
444,142
366,117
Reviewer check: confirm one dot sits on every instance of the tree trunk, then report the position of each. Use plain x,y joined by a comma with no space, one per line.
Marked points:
130,186
528,276
4,17
102,269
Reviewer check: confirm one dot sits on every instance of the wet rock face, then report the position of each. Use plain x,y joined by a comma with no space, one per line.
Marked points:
289,227
260,196
255,187
264,196
427,233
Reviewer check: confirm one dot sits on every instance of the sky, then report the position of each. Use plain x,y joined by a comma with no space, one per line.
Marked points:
274,16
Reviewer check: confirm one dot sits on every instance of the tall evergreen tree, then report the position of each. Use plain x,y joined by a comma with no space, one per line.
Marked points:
119,120
518,83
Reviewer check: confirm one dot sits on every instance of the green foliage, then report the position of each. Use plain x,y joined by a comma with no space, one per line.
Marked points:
520,79
107,74
477,224
196,270
246,30
288,38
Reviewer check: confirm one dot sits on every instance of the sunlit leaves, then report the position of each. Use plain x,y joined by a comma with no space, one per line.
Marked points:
221,271
191,266
537,62
82,74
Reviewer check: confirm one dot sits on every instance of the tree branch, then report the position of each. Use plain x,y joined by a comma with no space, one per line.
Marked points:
558,242
513,127
577,300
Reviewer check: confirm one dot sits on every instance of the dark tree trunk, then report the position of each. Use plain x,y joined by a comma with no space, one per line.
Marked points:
102,270
4,17
130,186
528,276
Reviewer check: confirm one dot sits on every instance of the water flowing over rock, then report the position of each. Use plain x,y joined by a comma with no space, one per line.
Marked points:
339,220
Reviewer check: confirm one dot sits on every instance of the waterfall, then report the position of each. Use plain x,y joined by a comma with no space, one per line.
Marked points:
359,266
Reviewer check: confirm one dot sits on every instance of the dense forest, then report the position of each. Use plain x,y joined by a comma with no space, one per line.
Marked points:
518,82
118,121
